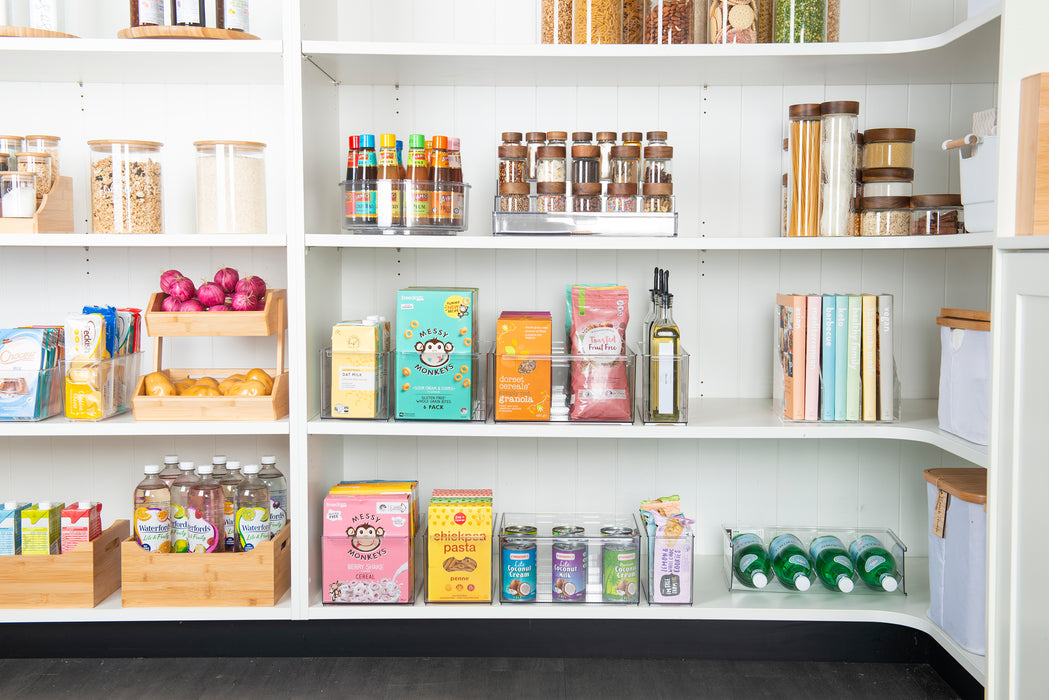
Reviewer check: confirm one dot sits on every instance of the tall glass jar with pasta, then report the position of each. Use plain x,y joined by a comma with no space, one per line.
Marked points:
805,170
633,22
555,21
597,22
839,125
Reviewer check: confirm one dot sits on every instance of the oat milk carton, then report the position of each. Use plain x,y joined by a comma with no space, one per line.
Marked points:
358,369
459,548
81,522
434,374
41,528
11,527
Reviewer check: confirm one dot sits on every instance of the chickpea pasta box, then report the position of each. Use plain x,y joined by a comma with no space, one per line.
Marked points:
459,548
435,373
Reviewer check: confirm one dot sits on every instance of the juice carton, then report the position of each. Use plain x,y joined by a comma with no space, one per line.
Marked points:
435,372
11,527
459,550
81,522
522,383
42,528
87,385
368,554
358,370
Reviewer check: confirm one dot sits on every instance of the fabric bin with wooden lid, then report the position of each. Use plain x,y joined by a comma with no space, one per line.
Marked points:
965,373
958,554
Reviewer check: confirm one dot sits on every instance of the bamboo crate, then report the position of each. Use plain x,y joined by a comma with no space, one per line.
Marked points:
219,323
54,215
258,578
82,578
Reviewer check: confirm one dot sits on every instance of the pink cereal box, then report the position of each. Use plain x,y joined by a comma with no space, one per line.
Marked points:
367,554
81,522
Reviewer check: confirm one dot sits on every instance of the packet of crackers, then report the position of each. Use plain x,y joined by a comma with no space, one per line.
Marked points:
86,373
670,568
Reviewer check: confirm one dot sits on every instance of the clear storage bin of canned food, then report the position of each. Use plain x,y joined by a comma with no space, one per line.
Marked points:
610,214
355,385
664,387
31,396
569,558
562,387
405,207
99,389
432,383
876,558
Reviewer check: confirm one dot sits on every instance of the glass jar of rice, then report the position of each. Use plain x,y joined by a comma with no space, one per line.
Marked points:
231,187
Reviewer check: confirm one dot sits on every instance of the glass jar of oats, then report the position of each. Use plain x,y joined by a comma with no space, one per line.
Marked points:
126,187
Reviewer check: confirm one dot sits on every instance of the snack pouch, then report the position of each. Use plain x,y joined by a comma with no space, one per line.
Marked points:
671,569
599,384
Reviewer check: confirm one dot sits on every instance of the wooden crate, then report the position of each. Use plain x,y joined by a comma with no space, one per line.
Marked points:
54,215
82,578
225,323
258,578
224,408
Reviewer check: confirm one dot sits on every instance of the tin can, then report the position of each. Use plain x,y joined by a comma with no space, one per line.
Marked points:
619,565
519,571
520,531
567,530
569,571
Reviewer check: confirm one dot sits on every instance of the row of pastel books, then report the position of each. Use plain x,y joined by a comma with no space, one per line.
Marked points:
834,357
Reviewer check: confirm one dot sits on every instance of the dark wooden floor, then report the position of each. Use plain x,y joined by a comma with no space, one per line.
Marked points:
462,678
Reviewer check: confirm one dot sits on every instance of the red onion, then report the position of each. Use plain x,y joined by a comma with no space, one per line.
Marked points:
242,301
170,304
218,307
252,285
227,279
182,289
210,294
192,305
167,278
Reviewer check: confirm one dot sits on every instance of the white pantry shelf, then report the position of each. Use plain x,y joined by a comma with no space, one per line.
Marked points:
125,425
485,242
1018,243
116,240
152,61
110,610
709,419
966,53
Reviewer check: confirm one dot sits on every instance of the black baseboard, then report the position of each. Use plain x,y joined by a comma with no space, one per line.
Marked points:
696,639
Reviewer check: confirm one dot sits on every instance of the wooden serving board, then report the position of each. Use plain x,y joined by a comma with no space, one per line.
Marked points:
30,33
172,32
219,408
82,578
258,578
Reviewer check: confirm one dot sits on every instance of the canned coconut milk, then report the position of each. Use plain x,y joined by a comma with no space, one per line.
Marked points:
519,571
619,565
569,565
520,531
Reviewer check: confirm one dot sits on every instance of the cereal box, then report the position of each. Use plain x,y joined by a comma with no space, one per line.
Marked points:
434,375
81,522
522,381
368,554
41,528
459,550
11,527
358,370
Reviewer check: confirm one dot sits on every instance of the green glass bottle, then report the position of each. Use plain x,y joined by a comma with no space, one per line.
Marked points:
750,561
791,564
833,566
875,564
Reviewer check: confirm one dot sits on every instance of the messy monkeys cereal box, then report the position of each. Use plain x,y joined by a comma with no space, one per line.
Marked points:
434,375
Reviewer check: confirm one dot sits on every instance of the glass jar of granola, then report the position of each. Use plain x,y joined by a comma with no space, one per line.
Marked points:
126,187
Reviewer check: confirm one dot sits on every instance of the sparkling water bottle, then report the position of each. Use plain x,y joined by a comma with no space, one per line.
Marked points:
875,564
833,566
218,467
152,519
278,487
253,510
170,471
179,521
750,561
791,564
205,505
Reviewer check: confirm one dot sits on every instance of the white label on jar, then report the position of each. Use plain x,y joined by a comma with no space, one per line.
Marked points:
43,14
237,14
187,12
151,12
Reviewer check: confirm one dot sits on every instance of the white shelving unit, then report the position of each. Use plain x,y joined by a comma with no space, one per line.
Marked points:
320,74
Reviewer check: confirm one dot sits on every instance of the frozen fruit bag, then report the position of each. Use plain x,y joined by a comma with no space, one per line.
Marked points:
671,567
599,383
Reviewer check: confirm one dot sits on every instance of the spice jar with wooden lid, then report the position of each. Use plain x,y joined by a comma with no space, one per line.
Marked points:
513,196
606,140
622,196
658,197
534,139
658,164
937,214
885,216
550,164
586,196
625,164
888,148
888,182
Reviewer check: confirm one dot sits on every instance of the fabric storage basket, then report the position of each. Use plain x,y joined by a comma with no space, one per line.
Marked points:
958,558
965,374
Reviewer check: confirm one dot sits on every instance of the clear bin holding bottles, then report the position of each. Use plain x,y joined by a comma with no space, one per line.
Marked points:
405,207
889,540
664,387
615,215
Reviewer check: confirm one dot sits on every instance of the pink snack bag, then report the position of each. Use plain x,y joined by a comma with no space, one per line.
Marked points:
600,385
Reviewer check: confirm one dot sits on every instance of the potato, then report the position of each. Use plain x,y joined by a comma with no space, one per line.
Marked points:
157,384
261,376
201,390
229,381
249,387
206,381
183,384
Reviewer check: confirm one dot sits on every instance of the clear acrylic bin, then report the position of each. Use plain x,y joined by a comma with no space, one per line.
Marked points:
405,207
563,387
847,535
360,382
31,396
602,563
457,389
603,219
99,389
664,388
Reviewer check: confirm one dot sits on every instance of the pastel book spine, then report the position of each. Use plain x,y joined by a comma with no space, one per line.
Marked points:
886,374
798,348
828,357
841,354
792,354
870,353
814,318
784,371
852,393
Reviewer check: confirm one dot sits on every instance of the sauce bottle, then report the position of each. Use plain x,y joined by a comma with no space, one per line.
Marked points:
419,192
665,378
440,176
368,171
188,13
147,13
353,177
391,174
455,165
